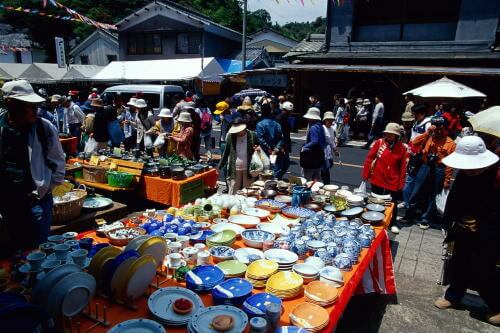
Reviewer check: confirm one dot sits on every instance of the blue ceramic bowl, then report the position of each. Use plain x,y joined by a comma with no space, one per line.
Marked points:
364,240
221,253
256,238
255,305
207,277
233,291
343,262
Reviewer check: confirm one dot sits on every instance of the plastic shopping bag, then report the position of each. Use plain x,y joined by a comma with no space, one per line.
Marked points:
115,132
160,141
441,201
256,165
148,141
362,187
265,160
90,146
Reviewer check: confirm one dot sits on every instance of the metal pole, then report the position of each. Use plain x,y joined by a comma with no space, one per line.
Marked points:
244,41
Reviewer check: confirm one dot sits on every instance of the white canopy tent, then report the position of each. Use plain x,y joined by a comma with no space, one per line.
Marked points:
445,88
161,70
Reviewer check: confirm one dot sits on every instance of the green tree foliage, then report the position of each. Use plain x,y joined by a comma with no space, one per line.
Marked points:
229,13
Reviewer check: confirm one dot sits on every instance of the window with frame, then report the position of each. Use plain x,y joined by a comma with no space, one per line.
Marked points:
188,43
144,44
84,59
405,20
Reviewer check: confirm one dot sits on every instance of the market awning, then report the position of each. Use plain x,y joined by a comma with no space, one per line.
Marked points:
445,88
13,71
161,70
81,73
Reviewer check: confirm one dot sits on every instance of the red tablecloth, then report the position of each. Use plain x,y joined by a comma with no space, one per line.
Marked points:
373,273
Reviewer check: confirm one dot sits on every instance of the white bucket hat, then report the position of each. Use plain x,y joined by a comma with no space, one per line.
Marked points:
140,103
132,101
328,115
393,128
313,114
287,106
165,113
22,91
366,101
237,128
470,154
185,117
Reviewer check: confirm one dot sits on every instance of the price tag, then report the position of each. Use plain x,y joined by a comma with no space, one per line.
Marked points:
62,189
113,166
94,160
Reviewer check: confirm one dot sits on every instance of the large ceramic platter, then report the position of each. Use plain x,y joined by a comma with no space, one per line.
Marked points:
200,322
297,212
256,305
244,220
136,242
71,294
139,276
156,247
138,326
257,212
373,217
97,203
40,292
119,276
160,304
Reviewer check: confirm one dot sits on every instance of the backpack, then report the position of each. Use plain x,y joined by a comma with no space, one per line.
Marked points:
206,120
42,138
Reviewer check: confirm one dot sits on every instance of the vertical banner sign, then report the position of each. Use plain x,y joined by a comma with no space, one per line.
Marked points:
61,56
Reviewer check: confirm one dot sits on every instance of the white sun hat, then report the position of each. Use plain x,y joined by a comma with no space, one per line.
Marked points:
132,101
185,117
470,154
140,103
328,115
22,91
287,106
165,113
313,114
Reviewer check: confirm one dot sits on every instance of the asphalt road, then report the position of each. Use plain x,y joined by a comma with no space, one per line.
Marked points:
346,170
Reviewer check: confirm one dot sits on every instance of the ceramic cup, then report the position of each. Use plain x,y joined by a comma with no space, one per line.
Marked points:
200,247
35,259
175,259
49,265
258,325
203,257
56,239
73,244
61,251
86,243
79,257
48,247
174,247
191,254
184,240
70,235
171,236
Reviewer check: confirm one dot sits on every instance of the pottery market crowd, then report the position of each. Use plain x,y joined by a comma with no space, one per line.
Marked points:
433,154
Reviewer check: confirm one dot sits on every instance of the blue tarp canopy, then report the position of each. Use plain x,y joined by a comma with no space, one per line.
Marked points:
231,66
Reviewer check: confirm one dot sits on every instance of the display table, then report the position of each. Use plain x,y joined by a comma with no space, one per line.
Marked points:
69,145
177,192
373,274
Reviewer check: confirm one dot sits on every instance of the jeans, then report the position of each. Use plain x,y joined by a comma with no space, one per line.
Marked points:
281,166
42,217
408,189
74,130
430,178
375,131
207,139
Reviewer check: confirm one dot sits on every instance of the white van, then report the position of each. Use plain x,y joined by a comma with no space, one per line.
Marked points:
157,96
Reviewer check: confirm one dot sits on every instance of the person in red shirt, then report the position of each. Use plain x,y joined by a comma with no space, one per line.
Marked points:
452,118
385,167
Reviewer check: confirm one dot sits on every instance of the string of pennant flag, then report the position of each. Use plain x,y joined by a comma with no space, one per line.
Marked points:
339,3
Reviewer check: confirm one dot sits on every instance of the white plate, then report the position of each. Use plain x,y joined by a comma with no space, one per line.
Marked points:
227,226
157,250
275,228
71,294
281,256
40,292
280,219
160,304
257,212
140,281
244,220
136,242
316,187
140,325
243,254
330,188
122,269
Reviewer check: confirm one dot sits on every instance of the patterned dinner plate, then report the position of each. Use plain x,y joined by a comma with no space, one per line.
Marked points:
295,212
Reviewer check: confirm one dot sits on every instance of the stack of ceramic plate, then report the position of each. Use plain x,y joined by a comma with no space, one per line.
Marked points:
285,285
160,304
138,325
203,278
201,321
232,268
100,259
320,293
308,272
255,305
223,238
290,329
246,255
376,208
380,199
372,217
310,316
284,258
355,201
232,292
331,275
259,271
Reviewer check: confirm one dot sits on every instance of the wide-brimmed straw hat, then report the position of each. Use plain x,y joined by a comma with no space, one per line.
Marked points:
328,115
185,117
165,113
313,114
470,154
407,116
393,128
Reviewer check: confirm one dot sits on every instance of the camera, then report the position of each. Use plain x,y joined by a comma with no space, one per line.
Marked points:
432,158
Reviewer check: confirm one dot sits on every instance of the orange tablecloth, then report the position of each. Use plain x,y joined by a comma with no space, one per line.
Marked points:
69,145
375,266
167,191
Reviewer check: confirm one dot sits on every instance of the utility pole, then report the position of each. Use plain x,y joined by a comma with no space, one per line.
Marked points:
244,42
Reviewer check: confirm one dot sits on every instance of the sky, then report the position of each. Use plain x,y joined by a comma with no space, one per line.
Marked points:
290,10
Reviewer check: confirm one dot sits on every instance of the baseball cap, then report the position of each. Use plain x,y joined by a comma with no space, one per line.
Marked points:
22,91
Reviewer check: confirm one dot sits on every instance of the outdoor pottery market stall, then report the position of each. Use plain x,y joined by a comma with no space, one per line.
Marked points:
221,263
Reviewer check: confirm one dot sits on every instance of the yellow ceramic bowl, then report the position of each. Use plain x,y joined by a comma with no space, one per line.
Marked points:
262,268
284,281
309,316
